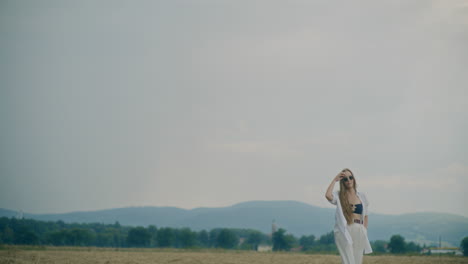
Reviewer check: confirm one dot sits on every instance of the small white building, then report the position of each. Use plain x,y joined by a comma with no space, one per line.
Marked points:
264,248
455,251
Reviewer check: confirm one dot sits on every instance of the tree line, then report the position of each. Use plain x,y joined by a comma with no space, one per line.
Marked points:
58,233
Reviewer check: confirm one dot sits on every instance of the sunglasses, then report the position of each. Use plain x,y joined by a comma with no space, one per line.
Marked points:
345,179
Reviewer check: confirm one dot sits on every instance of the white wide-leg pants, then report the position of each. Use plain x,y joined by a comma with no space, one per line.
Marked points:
352,254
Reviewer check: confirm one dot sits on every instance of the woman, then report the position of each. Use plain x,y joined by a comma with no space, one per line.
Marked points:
351,218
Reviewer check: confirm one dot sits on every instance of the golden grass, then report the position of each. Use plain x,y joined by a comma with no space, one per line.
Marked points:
86,255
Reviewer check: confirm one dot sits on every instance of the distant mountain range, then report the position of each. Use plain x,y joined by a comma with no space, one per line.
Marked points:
296,217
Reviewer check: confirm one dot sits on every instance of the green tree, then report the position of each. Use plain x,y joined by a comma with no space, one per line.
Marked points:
227,239
379,246
138,237
397,244
104,239
281,241
254,239
8,235
166,237
413,247
327,239
203,238
78,237
187,238
154,233
56,238
307,242
25,236
214,236
464,246
291,241
61,224
118,240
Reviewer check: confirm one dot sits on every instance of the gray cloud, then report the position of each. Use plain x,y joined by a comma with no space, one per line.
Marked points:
211,103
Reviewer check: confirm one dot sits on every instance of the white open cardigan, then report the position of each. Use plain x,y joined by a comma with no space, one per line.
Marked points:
340,221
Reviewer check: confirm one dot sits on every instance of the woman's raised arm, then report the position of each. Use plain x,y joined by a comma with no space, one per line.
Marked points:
329,193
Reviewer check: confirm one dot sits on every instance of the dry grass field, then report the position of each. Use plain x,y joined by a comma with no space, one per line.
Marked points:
157,256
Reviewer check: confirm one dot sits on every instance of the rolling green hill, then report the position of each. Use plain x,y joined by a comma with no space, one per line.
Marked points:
296,217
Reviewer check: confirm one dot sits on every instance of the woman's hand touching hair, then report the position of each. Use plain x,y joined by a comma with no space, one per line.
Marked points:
340,176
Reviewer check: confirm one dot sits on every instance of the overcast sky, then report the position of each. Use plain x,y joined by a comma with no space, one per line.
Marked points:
186,103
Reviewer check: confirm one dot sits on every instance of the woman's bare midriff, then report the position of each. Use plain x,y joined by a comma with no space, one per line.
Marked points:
357,216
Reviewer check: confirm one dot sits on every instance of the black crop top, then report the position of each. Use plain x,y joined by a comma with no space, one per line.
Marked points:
357,208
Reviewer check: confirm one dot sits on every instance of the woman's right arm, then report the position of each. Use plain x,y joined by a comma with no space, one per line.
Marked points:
329,193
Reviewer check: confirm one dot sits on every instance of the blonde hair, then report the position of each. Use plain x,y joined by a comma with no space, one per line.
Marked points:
345,205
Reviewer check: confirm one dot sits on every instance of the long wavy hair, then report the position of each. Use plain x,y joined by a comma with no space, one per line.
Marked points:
345,205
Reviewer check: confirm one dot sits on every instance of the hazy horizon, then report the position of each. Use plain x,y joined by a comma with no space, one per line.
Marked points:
107,104
215,207
198,207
